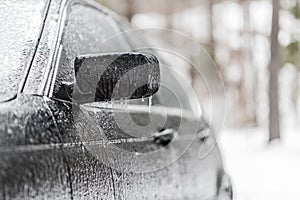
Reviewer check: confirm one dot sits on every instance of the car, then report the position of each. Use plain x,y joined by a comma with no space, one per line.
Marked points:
72,126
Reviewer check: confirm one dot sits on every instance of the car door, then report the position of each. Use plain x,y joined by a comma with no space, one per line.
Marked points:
128,149
102,147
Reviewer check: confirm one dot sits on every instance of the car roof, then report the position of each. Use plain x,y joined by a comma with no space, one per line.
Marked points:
21,23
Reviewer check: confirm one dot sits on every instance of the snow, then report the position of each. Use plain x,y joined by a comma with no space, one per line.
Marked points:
262,171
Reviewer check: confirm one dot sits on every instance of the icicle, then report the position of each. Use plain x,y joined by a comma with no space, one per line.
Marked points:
150,103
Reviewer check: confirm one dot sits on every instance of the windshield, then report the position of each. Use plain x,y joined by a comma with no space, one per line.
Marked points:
20,29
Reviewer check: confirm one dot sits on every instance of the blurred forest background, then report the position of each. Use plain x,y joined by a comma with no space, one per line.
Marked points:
255,43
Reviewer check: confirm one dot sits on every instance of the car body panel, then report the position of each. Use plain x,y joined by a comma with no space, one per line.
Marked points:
30,165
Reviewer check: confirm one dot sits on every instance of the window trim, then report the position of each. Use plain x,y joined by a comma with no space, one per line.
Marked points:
21,85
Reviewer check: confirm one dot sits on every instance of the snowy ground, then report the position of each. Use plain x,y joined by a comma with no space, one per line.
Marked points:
262,171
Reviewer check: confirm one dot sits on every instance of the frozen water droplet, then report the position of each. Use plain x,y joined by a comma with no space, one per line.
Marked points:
150,103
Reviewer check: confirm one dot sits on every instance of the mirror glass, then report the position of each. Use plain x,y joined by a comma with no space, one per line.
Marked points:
115,76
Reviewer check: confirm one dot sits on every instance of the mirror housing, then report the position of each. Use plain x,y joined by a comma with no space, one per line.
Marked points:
114,76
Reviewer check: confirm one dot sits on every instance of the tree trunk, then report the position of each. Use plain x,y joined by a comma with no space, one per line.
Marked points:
211,29
274,127
249,70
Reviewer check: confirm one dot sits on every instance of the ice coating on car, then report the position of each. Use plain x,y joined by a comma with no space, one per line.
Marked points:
21,23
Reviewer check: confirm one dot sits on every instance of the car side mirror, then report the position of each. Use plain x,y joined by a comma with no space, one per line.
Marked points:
114,76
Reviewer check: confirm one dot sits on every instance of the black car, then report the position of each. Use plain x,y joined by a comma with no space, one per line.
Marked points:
72,127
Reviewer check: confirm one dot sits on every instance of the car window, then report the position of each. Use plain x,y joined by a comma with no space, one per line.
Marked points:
87,30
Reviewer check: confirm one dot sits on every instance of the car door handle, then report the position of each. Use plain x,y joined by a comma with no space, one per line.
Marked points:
164,137
203,135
